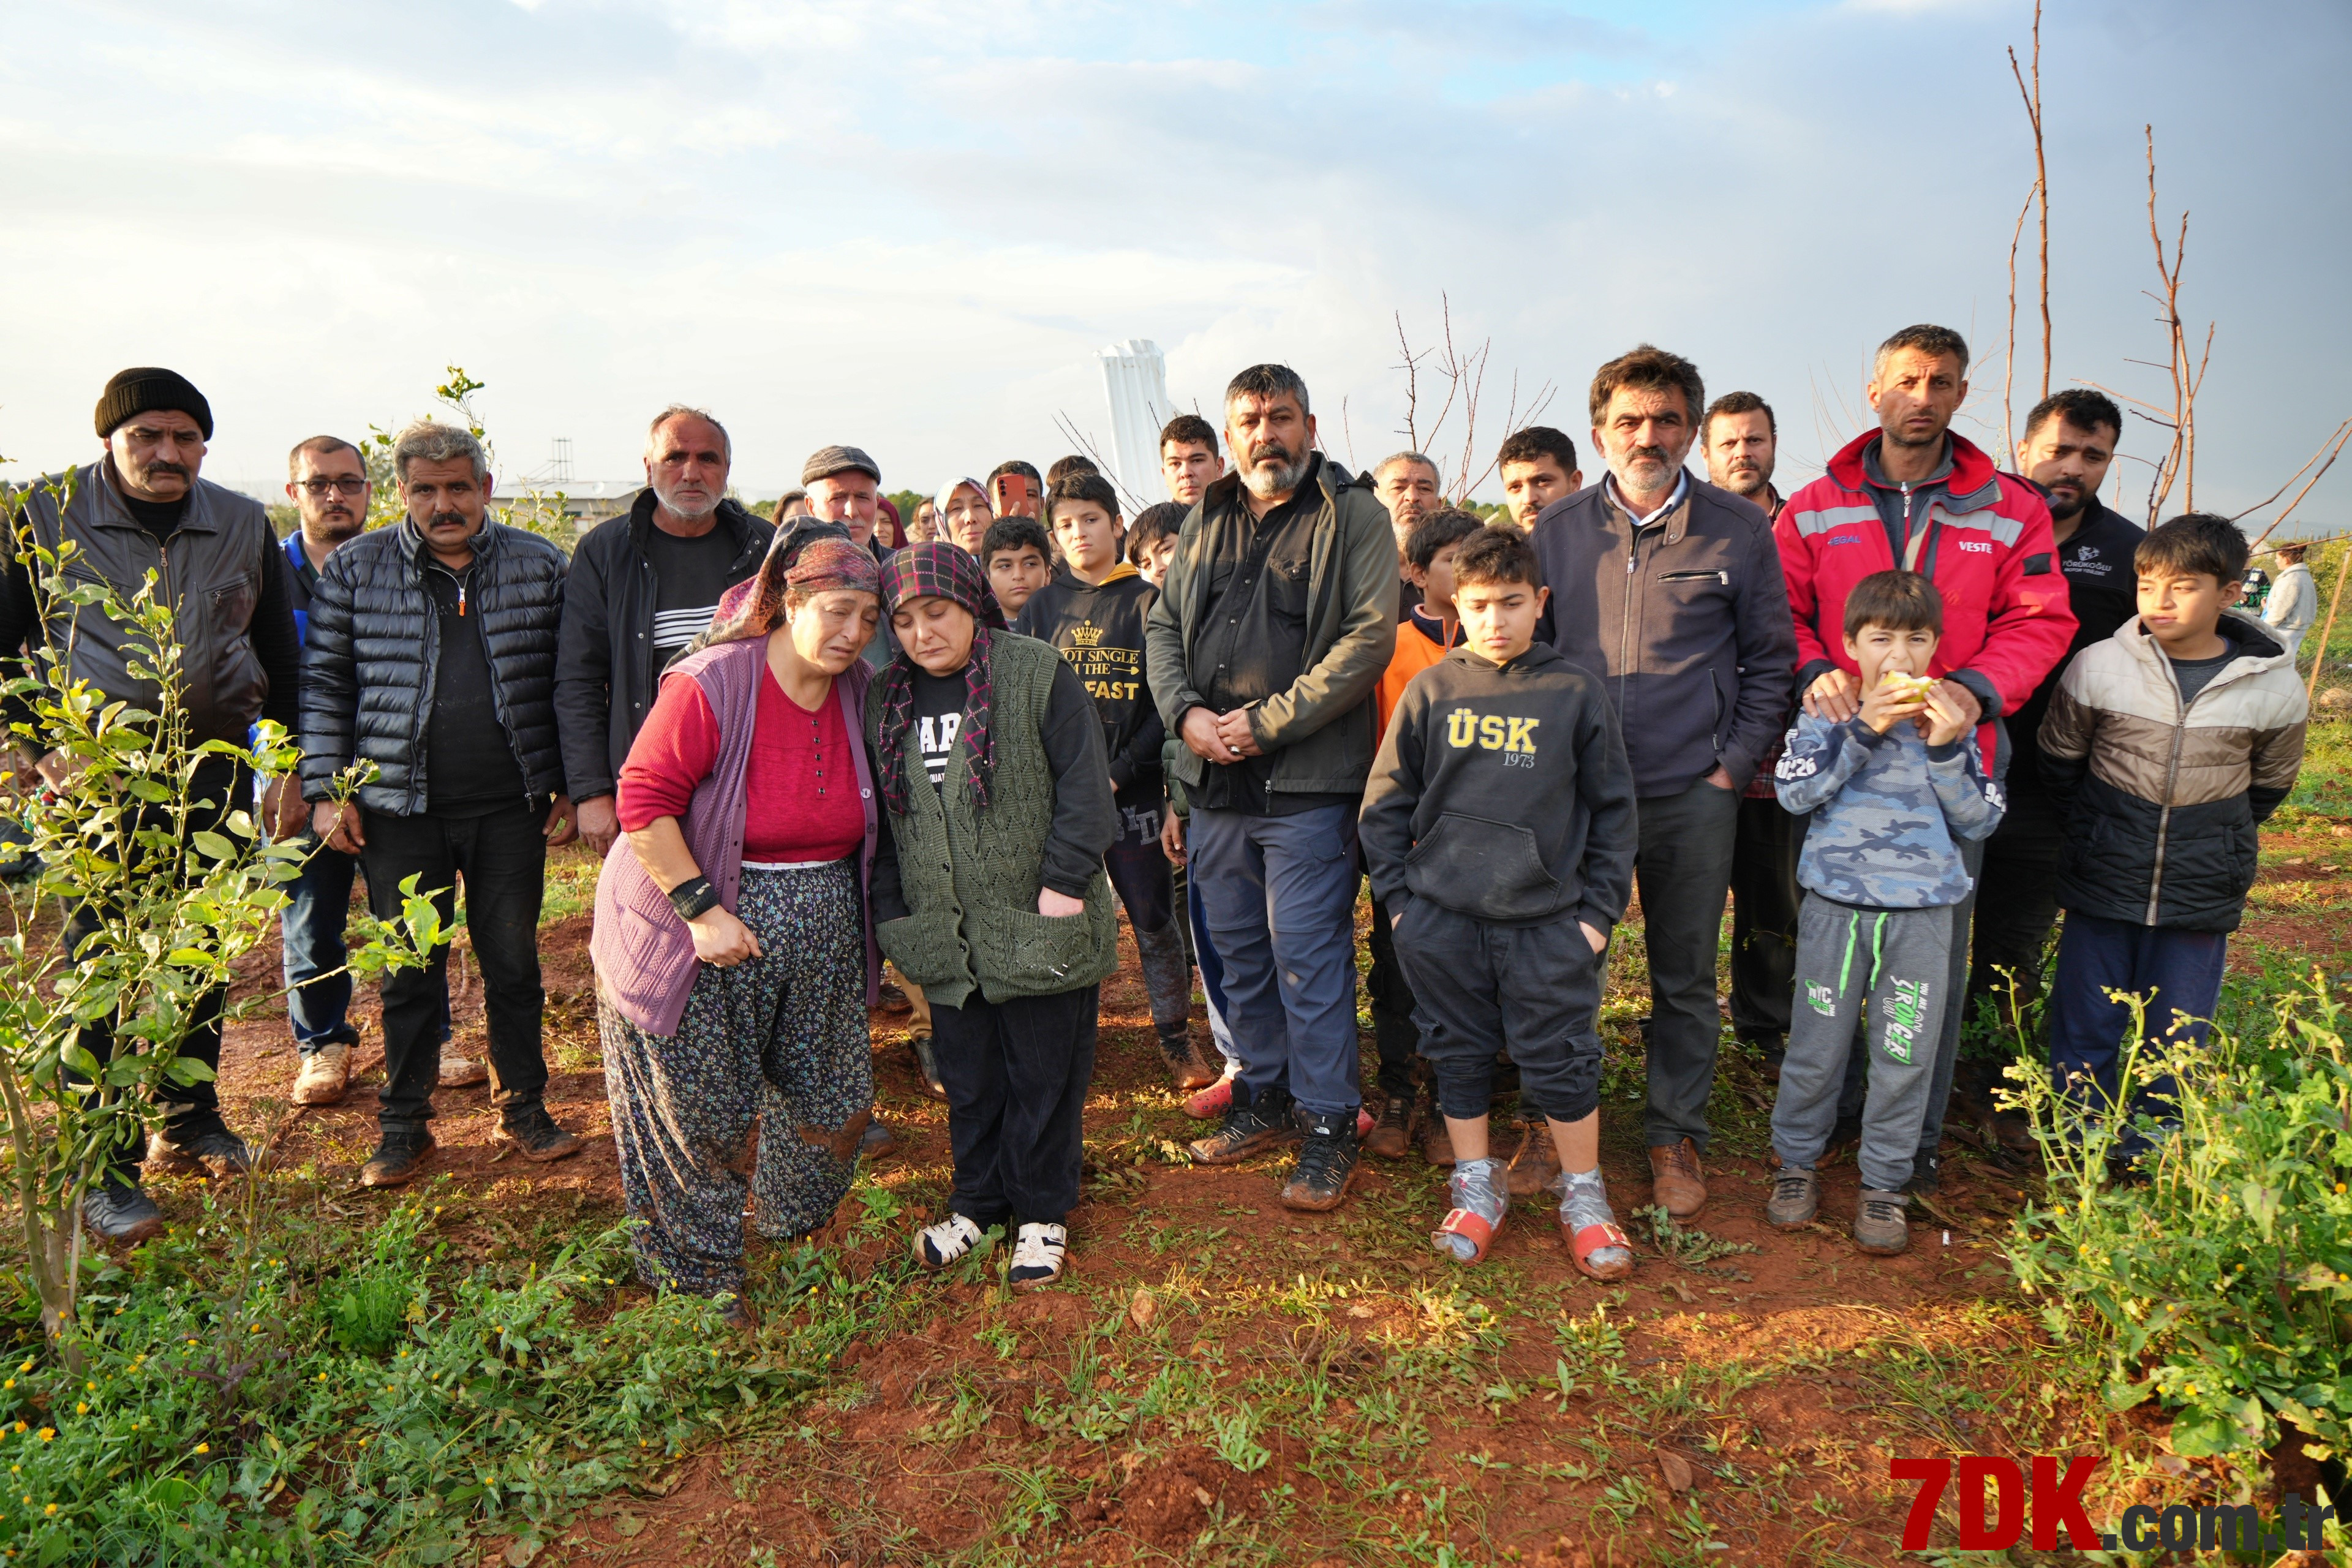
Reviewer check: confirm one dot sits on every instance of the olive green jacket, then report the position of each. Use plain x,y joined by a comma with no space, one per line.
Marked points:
1319,733
971,876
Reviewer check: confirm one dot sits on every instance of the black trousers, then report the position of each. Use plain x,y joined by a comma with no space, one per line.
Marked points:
1682,869
190,1110
503,857
1764,902
1016,1075
2017,897
1535,991
1394,1034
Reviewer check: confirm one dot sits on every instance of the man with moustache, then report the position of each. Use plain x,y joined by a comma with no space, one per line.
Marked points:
432,652
1668,591
1741,440
2068,447
1537,466
1263,648
1407,484
641,585
143,508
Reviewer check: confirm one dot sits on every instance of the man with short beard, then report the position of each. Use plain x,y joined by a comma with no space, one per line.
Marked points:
1537,466
2068,447
1264,649
143,507
329,486
1407,484
1667,590
642,584
1912,494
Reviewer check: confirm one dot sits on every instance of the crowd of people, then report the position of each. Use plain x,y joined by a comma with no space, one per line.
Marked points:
835,760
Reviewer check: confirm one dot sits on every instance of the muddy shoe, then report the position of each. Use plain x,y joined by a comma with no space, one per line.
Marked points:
1040,1253
1879,1226
1390,1137
1326,1163
876,1141
1677,1181
1927,1174
1188,1065
1796,1198
326,1075
892,999
399,1157
535,1131
1537,1164
212,1152
1436,1142
122,1211
459,1070
927,1065
1213,1101
1252,1126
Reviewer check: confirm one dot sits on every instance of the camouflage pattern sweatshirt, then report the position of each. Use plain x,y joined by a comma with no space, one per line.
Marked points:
1889,812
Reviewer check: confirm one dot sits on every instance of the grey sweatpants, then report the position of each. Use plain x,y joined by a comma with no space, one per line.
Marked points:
1900,961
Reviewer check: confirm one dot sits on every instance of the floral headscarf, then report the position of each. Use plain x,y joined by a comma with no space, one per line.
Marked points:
937,569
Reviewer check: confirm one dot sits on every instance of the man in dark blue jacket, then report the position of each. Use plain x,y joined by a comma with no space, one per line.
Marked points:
1669,590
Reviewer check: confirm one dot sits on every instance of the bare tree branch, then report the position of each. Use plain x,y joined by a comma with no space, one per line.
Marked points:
2041,185
1084,443
2334,451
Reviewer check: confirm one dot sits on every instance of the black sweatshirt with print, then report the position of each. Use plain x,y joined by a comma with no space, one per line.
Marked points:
1098,628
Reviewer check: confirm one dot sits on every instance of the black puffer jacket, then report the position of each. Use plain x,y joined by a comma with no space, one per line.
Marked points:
373,650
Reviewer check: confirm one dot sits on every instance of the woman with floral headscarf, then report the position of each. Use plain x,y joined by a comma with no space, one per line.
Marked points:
734,956
988,893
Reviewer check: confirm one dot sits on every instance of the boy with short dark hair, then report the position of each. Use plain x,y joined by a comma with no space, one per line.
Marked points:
1152,539
1093,613
1019,559
1892,792
1431,627
1498,827
2167,745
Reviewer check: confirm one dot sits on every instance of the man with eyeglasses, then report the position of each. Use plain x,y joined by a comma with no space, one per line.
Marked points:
328,483
141,508
642,584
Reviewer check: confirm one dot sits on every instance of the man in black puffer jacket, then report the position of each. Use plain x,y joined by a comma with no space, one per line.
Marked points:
431,654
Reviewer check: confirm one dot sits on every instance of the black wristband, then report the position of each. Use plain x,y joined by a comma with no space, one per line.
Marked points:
691,897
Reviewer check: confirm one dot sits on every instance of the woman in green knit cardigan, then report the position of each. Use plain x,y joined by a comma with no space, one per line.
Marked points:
988,893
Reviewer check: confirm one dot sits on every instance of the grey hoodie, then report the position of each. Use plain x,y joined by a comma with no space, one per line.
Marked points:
1501,792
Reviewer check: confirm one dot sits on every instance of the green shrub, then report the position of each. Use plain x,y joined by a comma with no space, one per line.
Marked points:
2219,1282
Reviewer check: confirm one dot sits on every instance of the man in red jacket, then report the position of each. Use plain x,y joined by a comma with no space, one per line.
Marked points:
1914,495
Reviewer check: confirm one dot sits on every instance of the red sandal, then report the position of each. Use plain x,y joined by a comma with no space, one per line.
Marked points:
1582,1244
1470,1225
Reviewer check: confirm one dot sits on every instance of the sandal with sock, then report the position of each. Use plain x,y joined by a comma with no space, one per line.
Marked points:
1040,1252
1600,1247
938,1245
1481,1201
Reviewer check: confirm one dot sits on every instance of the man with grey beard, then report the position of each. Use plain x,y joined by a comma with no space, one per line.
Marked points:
641,585
1669,592
1274,624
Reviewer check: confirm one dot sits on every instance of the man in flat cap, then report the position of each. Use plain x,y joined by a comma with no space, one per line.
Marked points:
642,584
845,485
141,508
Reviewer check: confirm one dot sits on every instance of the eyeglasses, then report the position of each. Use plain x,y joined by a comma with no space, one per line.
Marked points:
321,489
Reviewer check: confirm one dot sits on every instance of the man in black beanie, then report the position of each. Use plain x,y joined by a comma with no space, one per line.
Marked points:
140,508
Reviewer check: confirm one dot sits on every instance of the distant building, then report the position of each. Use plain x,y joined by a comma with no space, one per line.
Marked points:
1135,378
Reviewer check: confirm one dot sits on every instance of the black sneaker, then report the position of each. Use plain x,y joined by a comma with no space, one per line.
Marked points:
1927,1174
927,1065
399,1157
1326,1163
1252,1126
212,1151
122,1211
535,1131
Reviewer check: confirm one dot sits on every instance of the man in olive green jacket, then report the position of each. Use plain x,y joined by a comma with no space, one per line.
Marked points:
1276,622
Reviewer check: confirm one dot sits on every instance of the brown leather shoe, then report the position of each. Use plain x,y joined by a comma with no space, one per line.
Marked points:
1436,1142
1676,1180
1390,1137
1537,1164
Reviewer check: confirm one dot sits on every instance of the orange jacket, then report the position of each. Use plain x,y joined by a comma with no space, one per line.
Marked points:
1416,650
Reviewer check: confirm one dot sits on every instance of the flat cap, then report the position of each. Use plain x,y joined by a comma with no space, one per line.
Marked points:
830,461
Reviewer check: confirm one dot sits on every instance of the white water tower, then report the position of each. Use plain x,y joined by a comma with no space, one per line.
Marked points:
1135,378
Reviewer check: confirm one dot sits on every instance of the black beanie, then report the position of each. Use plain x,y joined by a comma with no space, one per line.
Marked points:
139,391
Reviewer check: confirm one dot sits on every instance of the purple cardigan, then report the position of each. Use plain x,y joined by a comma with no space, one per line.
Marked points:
643,952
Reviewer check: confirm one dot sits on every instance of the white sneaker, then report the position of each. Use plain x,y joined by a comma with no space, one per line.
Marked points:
940,1245
460,1072
1038,1255
326,1074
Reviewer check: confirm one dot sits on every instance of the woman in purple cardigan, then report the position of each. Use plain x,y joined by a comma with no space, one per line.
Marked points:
734,954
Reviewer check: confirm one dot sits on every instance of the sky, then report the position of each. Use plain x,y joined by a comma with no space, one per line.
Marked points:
910,225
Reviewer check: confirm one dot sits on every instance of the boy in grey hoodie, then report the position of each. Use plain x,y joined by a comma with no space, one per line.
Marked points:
1498,829
1892,792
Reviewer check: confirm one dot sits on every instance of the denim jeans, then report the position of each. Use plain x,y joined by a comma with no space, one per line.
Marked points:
1280,896
319,997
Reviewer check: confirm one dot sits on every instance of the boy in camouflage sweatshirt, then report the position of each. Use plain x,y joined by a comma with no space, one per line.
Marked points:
1891,793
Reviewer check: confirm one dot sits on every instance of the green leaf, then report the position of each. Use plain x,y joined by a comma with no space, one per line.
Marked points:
214,845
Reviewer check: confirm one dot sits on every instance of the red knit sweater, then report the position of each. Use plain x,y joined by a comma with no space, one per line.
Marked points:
801,781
